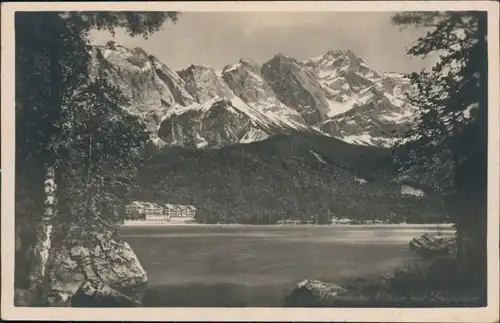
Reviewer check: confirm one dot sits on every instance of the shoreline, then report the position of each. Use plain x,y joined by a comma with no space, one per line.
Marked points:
369,225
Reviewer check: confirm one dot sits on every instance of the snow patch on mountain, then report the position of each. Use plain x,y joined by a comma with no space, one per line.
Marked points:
366,139
267,120
201,107
231,67
318,157
202,142
398,117
338,107
254,135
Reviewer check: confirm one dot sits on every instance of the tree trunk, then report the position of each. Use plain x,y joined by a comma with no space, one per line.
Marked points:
44,231
49,157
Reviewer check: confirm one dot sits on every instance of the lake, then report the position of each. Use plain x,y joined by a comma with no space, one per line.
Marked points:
245,265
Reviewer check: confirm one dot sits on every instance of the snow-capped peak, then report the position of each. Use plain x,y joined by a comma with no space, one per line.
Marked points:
200,67
336,94
229,68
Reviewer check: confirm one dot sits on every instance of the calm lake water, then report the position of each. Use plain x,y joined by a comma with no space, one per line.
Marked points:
239,265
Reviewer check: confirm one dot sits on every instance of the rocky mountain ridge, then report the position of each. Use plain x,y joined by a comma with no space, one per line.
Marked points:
335,95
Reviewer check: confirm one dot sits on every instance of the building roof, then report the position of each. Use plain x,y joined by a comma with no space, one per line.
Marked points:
187,207
169,206
145,204
180,207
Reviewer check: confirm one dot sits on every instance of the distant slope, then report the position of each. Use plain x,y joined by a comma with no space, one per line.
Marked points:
283,177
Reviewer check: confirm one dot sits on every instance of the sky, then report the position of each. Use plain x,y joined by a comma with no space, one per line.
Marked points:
221,38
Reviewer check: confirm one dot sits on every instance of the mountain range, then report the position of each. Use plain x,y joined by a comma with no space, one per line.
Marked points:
286,139
335,95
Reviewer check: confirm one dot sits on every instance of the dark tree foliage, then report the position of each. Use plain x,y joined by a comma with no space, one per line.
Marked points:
449,141
271,182
73,121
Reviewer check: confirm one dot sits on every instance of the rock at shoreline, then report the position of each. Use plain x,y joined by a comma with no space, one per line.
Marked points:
104,272
314,293
429,246
97,294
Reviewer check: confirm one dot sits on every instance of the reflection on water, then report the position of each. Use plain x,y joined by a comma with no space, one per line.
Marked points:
216,295
258,265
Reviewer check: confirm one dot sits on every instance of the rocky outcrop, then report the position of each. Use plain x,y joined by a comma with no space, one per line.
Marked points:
203,83
214,121
98,294
429,246
220,118
150,86
296,88
103,272
216,126
314,293
246,81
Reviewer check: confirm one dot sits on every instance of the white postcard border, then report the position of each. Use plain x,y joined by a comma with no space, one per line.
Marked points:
8,311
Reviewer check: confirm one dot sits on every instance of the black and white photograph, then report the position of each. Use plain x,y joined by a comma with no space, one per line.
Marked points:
278,159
